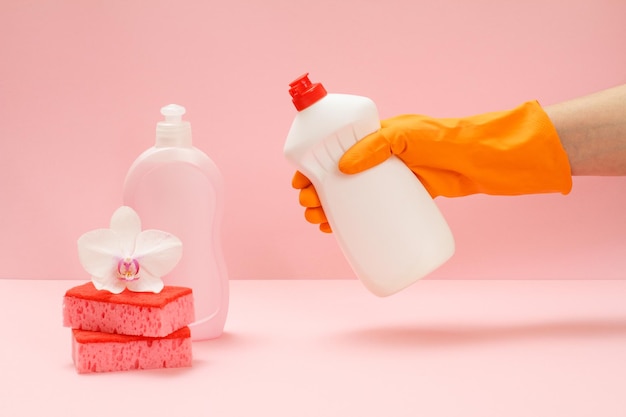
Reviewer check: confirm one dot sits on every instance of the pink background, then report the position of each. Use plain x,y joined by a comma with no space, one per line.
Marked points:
81,85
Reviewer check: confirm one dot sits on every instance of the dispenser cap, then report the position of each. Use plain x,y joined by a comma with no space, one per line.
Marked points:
173,112
173,131
304,93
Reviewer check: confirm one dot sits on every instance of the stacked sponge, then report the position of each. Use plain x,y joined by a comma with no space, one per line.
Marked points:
130,330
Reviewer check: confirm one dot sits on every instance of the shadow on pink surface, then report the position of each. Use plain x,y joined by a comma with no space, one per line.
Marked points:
463,335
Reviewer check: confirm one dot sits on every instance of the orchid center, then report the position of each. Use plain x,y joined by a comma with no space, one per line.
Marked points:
128,269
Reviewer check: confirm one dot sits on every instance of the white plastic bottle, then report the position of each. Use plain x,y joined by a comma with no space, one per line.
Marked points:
387,225
177,188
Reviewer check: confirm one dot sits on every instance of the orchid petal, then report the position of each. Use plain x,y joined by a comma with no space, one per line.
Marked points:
109,283
147,283
158,252
127,224
98,251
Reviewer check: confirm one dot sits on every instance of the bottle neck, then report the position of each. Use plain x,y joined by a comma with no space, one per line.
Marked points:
173,134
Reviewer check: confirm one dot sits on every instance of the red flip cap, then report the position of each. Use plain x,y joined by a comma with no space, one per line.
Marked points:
304,93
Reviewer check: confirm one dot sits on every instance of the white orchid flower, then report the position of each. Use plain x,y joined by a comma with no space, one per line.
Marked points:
124,256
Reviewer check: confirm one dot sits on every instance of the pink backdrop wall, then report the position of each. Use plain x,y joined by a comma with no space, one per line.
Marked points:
81,85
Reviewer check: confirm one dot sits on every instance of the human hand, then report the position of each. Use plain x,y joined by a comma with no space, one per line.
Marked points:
313,212
500,153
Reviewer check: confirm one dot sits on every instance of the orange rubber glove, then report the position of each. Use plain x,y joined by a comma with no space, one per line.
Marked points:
509,152
313,212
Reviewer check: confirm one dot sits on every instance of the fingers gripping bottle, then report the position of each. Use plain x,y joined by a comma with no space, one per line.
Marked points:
177,188
387,225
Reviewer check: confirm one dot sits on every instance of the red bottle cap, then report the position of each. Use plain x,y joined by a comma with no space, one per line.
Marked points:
304,93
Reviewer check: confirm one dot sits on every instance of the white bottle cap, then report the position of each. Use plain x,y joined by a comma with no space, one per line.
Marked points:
173,131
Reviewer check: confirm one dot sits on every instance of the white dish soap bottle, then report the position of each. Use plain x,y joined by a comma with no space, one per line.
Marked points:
176,187
387,225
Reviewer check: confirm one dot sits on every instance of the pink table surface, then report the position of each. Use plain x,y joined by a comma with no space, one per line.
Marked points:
329,348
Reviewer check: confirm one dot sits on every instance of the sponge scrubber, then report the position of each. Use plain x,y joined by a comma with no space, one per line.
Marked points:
103,352
128,313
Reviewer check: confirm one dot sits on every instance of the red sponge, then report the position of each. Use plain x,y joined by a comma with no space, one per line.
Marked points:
130,330
103,352
129,313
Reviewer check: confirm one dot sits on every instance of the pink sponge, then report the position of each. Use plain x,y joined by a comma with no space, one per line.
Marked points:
128,313
103,352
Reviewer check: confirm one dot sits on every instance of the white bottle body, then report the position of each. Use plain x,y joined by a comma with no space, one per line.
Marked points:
179,189
387,225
